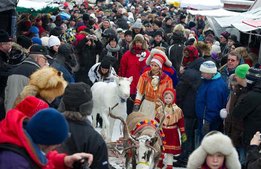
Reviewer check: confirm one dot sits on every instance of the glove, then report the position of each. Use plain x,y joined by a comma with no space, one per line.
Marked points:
183,137
136,107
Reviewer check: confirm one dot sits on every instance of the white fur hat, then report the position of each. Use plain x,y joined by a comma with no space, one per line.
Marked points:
212,143
159,57
208,67
53,40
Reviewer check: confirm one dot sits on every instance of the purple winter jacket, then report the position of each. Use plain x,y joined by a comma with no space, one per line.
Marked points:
12,160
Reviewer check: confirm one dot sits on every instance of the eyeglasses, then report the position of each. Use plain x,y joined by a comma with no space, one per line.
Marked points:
231,60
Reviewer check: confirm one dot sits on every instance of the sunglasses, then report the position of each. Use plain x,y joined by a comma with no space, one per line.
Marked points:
231,60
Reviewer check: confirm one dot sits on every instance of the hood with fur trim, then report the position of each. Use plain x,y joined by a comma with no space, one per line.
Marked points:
212,143
154,51
46,83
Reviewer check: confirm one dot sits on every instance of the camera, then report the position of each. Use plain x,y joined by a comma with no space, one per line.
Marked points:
81,164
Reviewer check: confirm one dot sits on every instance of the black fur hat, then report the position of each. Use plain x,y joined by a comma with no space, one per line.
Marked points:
78,98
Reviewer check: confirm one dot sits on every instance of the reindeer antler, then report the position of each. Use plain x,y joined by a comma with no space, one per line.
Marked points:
126,133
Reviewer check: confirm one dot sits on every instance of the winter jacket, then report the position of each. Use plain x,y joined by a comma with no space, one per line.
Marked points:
87,56
18,80
12,132
234,127
89,141
253,157
187,88
175,54
211,98
95,76
249,110
132,65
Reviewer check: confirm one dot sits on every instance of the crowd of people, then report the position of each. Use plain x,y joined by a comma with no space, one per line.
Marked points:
209,85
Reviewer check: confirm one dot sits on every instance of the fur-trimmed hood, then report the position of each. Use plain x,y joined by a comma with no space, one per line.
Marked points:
46,83
212,143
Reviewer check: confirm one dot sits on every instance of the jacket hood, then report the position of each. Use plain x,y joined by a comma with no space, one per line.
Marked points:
12,132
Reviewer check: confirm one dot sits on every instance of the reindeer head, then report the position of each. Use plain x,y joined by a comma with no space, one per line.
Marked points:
145,152
123,86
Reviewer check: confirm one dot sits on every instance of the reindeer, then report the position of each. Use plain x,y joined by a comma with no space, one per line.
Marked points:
141,140
106,95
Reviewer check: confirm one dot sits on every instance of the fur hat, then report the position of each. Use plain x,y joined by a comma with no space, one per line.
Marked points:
46,83
212,143
47,127
140,38
208,67
53,40
159,57
77,98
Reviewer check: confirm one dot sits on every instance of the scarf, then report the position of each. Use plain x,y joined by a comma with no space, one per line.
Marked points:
111,50
136,50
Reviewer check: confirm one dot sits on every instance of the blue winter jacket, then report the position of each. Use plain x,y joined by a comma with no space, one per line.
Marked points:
211,98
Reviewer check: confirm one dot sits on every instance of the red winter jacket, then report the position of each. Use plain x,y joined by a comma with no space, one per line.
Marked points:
131,66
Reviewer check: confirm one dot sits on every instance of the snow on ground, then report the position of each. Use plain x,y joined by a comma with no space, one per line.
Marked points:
115,159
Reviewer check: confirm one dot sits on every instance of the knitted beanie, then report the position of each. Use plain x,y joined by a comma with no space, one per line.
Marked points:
254,74
47,127
242,70
208,67
53,40
37,41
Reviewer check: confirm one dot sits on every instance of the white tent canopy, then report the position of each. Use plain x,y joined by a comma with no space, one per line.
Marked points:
215,12
238,21
201,4
36,4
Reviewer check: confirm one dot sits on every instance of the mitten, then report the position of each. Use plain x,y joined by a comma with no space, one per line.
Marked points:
183,137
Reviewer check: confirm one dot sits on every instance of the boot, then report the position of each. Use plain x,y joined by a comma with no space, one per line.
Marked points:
169,167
